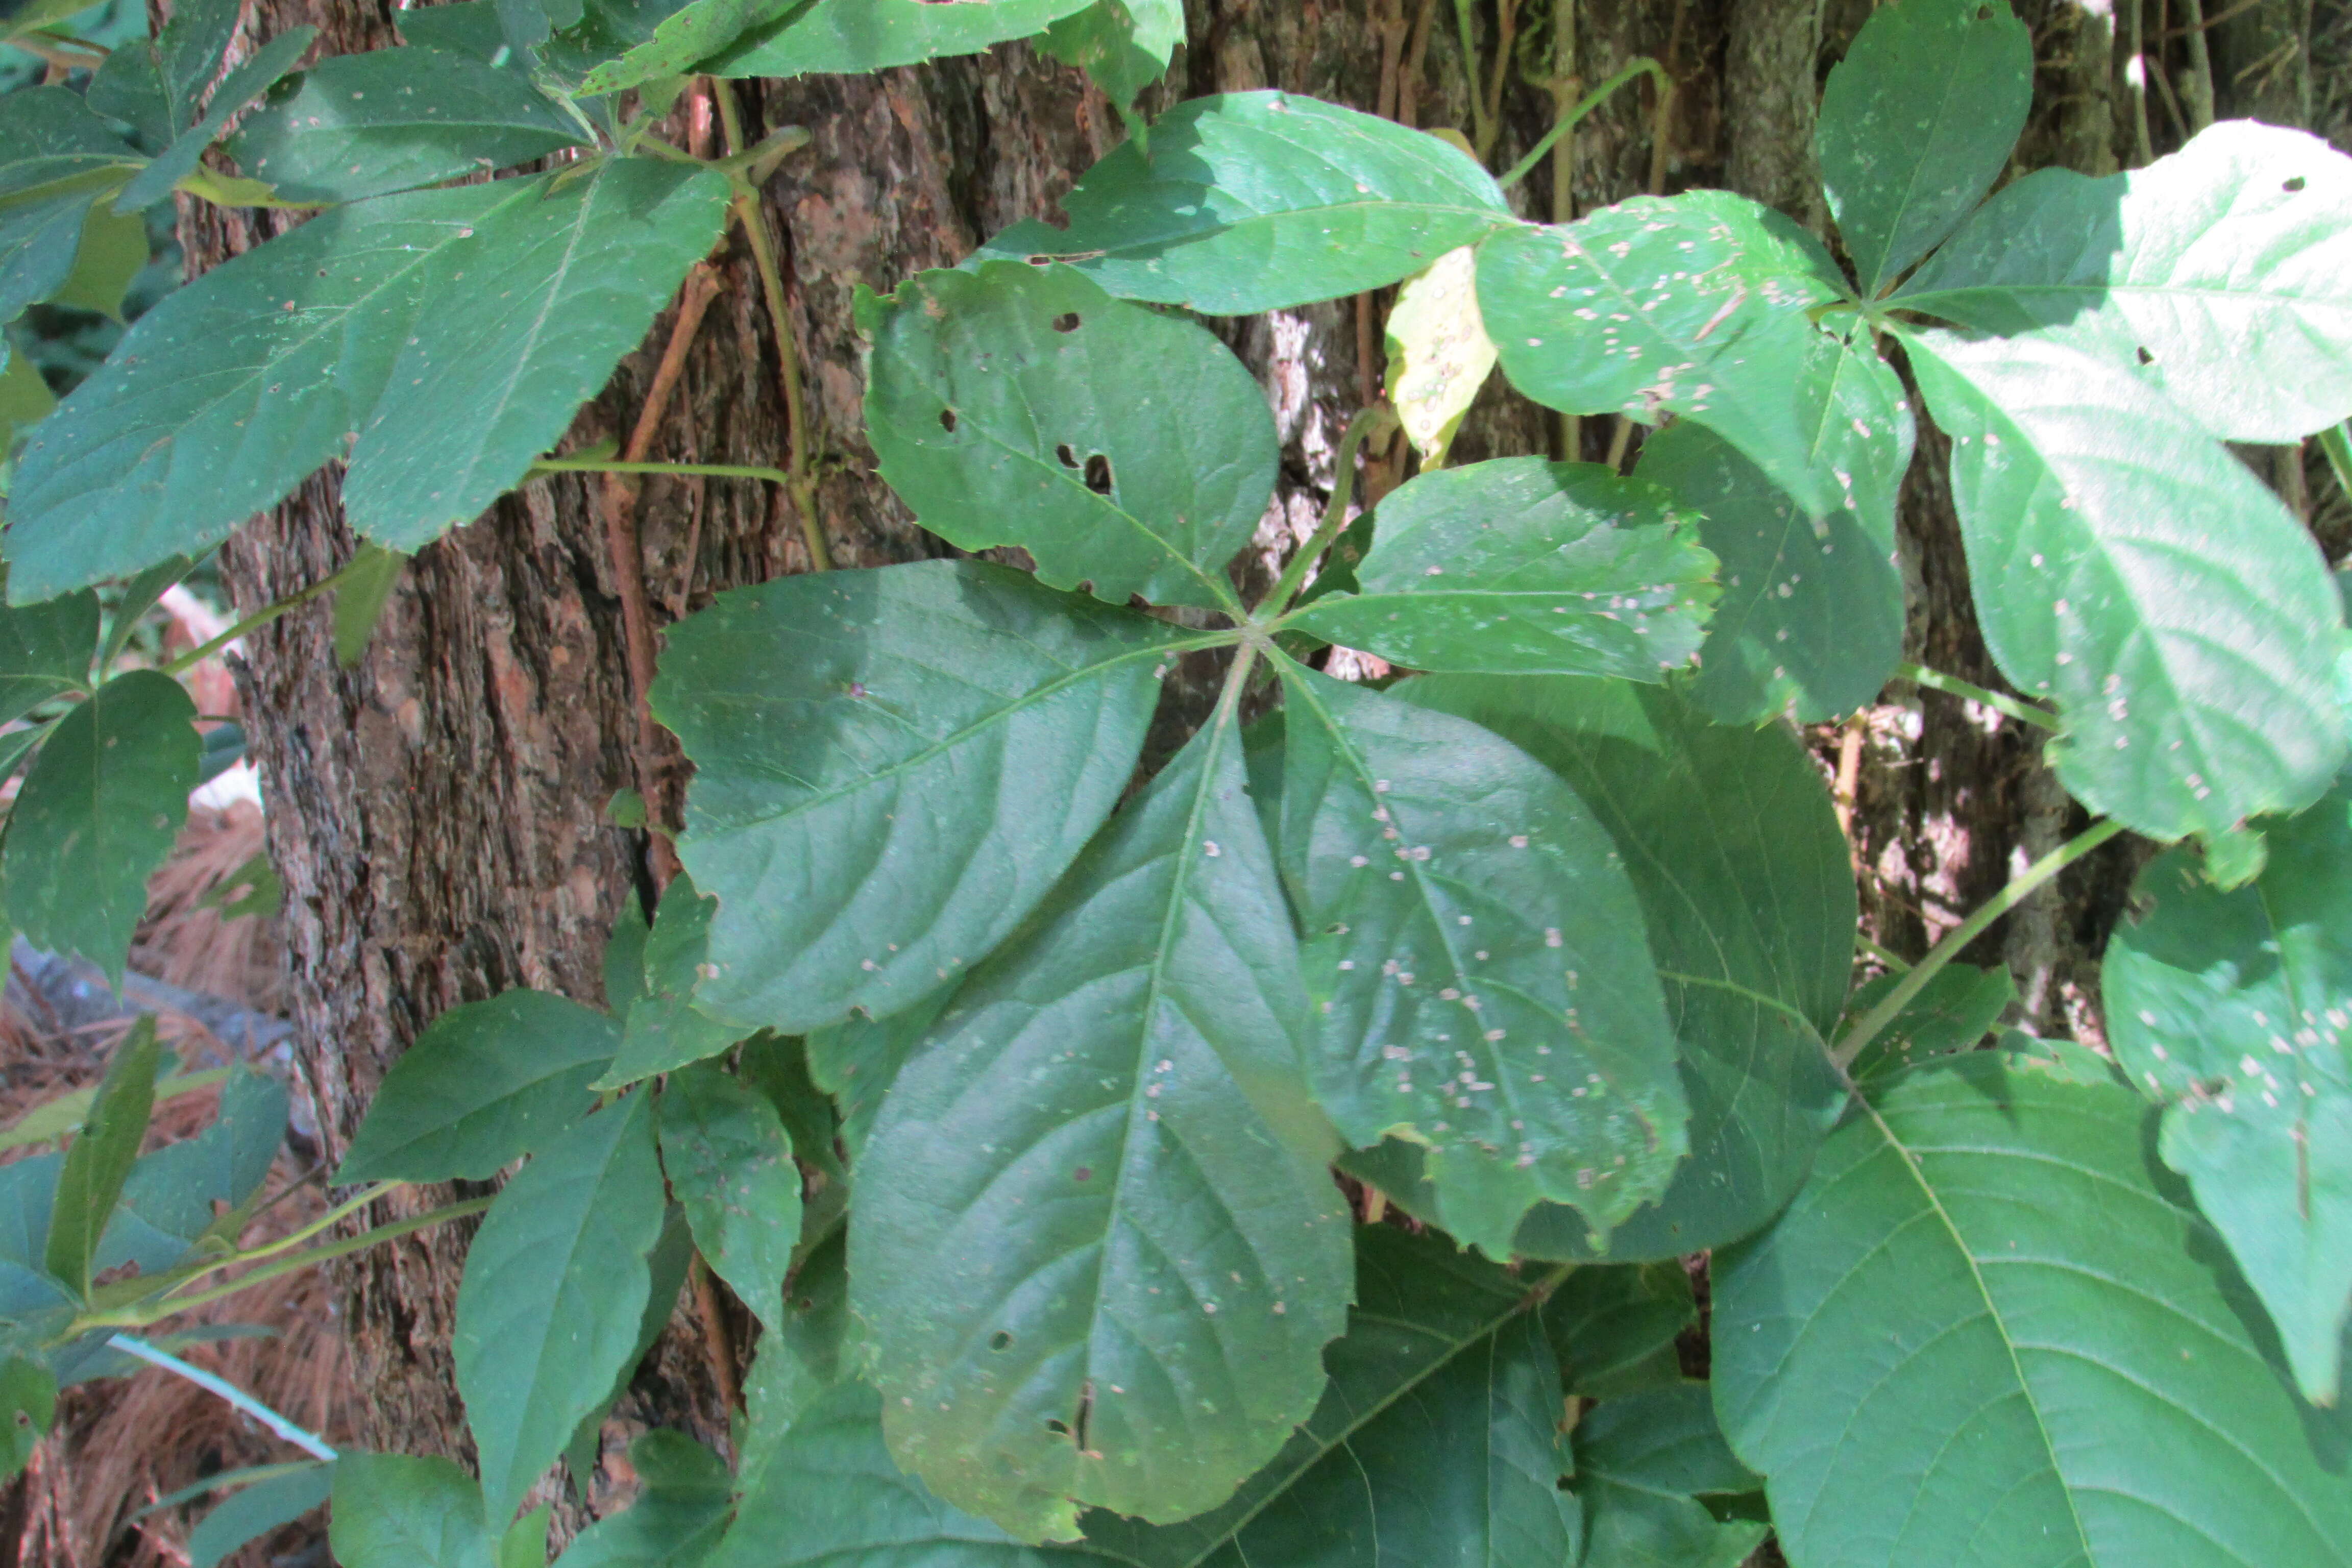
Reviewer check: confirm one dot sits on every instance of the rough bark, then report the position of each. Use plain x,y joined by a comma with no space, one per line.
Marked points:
437,813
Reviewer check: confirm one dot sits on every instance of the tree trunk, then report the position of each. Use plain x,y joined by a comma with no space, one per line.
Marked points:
437,814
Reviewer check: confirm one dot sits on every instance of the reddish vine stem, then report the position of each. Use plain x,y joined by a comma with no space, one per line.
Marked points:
619,494
715,1338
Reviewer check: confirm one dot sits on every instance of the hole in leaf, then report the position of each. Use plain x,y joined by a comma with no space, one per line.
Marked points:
1069,459
2293,185
1041,261
1098,474
1058,1427
1984,13
2145,357
1067,322
1000,1340
948,420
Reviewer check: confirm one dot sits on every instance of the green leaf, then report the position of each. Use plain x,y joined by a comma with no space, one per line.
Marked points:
730,1164
467,26
1477,962
1439,354
850,38
28,1402
113,252
1916,124
1958,1007
1260,201
98,814
130,87
1981,1328
662,1030
28,1190
190,50
670,1261
555,1285
1121,447
41,236
39,14
2230,1009
1436,1442
692,33
850,721
220,400
373,574
624,950
366,124
1110,1284
256,1510
166,1204
49,134
1642,1464
798,1361
1613,1327
1123,46
139,595
1523,566
858,1059
524,1544
1810,621
677,1518
24,398
46,652
253,76
485,1084
2135,574
392,1510
2214,273
100,1158
1693,305
1747,893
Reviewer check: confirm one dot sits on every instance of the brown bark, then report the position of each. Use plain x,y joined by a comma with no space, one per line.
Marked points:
436,812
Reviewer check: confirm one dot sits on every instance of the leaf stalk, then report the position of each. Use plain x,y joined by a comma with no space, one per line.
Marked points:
1952,686
1379,419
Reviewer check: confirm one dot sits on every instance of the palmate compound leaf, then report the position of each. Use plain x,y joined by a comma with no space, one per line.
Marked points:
2132,571
1748,898
850,38
363,125
484,1085
1435,1443
1475,954
1693,305
1262,201
729,1163
1982,1335
2229,1008
2216,273
98,814
555,1284
1811,620
1120,447
891,768
1523,566
358,328
1095,1253
1916,122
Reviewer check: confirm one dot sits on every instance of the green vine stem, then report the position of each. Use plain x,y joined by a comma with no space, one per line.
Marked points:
1591,101
1869,949
1481,129
256,621
801,482
1952,686
1867,1027
1368,422
614,466
309,1443
2337,442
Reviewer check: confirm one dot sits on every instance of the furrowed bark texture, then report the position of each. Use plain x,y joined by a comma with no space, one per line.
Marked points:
437,813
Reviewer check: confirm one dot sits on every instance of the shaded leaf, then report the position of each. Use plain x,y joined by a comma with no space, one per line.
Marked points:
100,1157
1111,1285
220,400
661,1029
486,1084
858,1059
1613,1326
98,814
624,954
1123,46
1526,566
252,75
393,1510
730,1164
1981,1334
1745,892
1810,621
2231,1008
46,652
1694,305
1121,447
849,37
28,1402
797,1363
49,134
1260,201
130,87
555,1285
1662,1440
24,398
856,722
1958,1007
2212,273
389,120
373,572
166,1204
2132,572
676,1519
1477,961
668,1264
113,252
1916,124
256,1510
691,33
41,236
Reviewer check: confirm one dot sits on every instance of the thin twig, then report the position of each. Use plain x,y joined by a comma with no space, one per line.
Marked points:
1565,86
1482,129
1416,67
1367,422
715,1337
1662,118
1591,101
1507,36
130,1344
